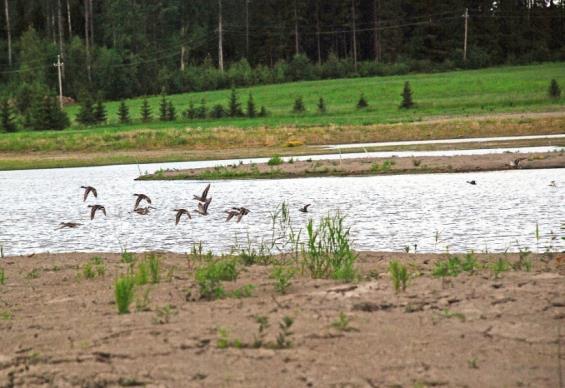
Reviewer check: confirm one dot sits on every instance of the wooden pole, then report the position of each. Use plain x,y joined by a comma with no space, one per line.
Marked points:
59,66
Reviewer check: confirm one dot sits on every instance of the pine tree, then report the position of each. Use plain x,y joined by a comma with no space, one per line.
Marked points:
407,102
190,113
163,108
362,103
145,111
554,90
46,114
234,105
263,112
202,110
218,112
100,113
6,118
298,105
85,115
251,110
123,113
171,114
322,106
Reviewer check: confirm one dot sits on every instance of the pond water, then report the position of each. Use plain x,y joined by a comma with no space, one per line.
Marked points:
385,212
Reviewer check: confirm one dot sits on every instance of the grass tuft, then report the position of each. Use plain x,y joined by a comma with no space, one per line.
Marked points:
124,291
399,274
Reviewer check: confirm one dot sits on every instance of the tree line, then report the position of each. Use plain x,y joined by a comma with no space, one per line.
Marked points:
115,49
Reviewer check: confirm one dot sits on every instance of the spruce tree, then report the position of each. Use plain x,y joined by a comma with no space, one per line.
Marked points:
407,102
263,112
554,90
46,114
251,110
218,112
163,108
123,113
190,113
322,105
171,114
145,111
100,113
202,110
234,107
298,105
85,115
6,117
362,103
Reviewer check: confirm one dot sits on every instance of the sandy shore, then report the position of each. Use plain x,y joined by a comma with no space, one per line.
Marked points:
58,328
368,166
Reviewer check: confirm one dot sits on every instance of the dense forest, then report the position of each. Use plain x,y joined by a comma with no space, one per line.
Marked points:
113,49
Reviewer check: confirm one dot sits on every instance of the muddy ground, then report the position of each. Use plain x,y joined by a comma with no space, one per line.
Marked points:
370,166
58,328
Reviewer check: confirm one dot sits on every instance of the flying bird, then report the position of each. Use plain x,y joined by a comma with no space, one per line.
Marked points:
304,209
180,212
204,196
70,225
143,211
552,184
231,214
141,197
203,207
472,182
94,209
88,190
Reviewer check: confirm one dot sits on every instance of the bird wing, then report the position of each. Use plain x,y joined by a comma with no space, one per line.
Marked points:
92,212
137,202
205,192
179,214
94,192
306,206
103,210
188,214
240,216
147,199
230,215
86,191
207,204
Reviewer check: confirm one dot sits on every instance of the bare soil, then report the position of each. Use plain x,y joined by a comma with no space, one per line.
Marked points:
59,329
369,166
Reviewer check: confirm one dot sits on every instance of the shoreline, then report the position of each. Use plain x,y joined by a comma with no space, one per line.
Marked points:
367,167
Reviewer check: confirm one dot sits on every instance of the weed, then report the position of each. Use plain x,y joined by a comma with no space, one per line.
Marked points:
472,363
142,303
33,274
243,292
124,290
154,268
209,277
224,341
446,313
127,257
523,263
470,263
6,315
2,277
263,325
142,273
95,267
163,315
328,250
342,323
499,266
283,277
275,161
283,338
399,274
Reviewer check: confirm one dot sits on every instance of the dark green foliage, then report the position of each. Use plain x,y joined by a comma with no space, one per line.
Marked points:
251,110
362,103
145,111
100,113
263,112
554,90
163,108
171,112
6,117
86,115
202,110
190,112
234,106
123,113
218,112
407,102
47,115
298,105
322,106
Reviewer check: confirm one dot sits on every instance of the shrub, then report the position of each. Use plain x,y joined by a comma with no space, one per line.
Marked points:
234,106
321,106
399,275
407,102
251,110
123,113
124,288
298,105
328,252
6,117
218,112
263,112
145,111
202,110
100,113
275,161
85,115
47,114
209,277
171,112
127,257
362,103
163,108
554,90
190,112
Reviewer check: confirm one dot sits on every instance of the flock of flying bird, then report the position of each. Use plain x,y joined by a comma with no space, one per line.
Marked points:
202,208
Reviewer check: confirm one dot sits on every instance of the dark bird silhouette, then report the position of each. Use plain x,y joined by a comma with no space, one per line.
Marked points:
237,211
180,212
472,182
94,209
203,207
143,210
88,190
231,214
304,209
141,197
552,184
516,162
204,196
71,225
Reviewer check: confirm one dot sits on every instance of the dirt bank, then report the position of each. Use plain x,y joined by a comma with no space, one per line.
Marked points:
58,328
368,166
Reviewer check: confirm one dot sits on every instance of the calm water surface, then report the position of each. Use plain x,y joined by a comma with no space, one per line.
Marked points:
386,212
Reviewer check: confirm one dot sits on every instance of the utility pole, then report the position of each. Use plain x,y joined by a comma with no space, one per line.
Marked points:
220,38
354,25
69,19
59,66
466,33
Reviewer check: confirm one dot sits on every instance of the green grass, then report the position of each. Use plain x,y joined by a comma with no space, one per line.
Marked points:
2,277
503,89
399,275
124,292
